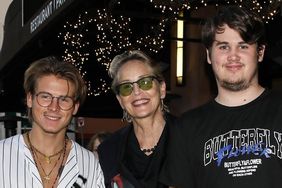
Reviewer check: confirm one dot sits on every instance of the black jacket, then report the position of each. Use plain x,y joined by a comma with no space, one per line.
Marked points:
112,159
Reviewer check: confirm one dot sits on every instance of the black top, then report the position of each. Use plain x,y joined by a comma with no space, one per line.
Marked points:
120,156
134,159
217,146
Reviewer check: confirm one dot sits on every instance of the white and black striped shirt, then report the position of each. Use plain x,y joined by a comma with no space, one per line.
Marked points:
18,170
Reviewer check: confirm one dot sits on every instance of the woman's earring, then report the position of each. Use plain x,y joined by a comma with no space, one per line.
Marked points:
126,117
164,107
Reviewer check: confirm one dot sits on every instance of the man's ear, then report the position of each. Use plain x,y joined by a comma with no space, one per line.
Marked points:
76,107
261,51
208,56
29,100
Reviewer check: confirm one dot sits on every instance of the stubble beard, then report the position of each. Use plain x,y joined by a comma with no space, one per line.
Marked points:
232,85
236,85
239,85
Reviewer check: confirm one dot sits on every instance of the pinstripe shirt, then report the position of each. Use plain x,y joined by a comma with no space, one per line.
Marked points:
18,169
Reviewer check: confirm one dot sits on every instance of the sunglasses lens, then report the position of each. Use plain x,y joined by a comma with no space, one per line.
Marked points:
125,89
145,83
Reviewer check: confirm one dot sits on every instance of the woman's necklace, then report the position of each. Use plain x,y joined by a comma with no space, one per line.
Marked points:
149,150
46,176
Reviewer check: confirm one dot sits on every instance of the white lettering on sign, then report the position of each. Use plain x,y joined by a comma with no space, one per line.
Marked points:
58,3
45,13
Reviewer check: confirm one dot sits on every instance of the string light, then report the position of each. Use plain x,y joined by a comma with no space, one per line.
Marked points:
266,9
113,35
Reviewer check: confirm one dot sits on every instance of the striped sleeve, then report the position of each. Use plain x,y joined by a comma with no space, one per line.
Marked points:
12,172
90,170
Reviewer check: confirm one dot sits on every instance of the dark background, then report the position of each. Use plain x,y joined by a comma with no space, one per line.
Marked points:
143,14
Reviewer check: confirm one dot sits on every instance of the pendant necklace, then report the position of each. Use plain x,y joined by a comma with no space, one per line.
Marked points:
46,176
46,157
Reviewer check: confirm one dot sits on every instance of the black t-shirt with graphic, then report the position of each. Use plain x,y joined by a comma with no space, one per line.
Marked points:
217,146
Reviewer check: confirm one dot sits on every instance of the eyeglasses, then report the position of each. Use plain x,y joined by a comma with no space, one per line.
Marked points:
126,88
44,99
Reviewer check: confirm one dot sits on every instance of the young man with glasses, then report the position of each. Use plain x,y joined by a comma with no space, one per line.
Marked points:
45,156
133,155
